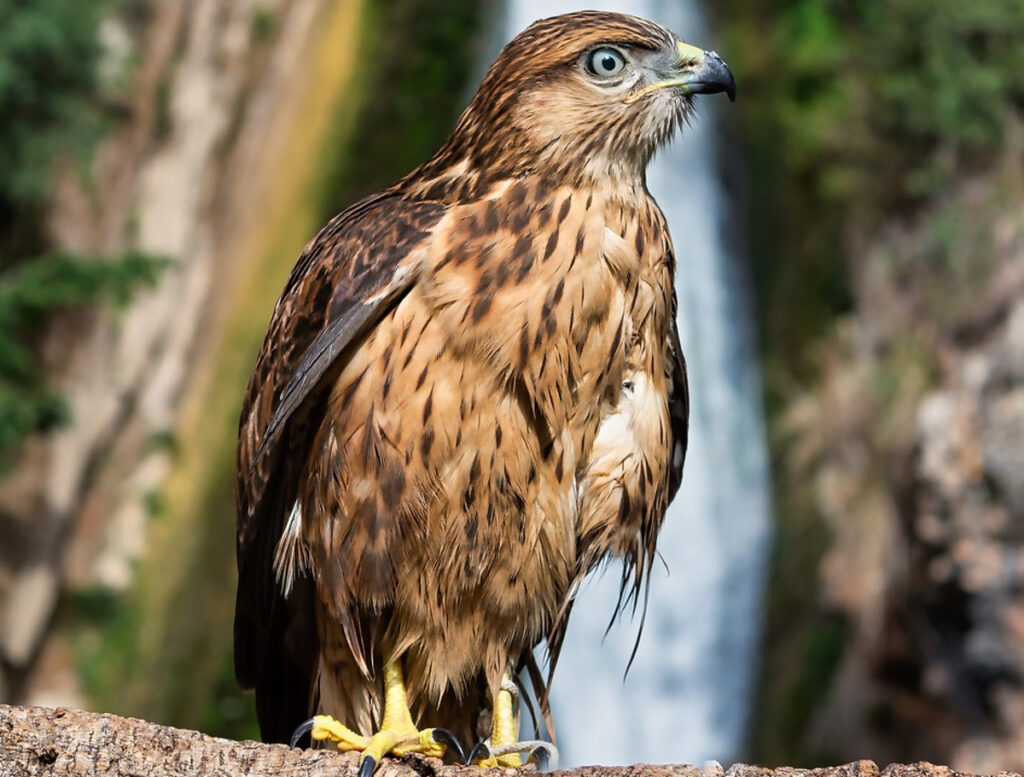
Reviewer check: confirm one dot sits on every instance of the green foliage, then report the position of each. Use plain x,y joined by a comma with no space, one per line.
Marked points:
29,295
49,57
795,667
49,50
264,20
885,101
229,712
821,648
424,51
95,619
856,112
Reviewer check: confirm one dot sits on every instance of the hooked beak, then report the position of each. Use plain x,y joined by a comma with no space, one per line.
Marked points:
699,72
704,72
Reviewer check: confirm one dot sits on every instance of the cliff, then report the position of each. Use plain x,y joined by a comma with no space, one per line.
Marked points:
886,206
219,97
911,448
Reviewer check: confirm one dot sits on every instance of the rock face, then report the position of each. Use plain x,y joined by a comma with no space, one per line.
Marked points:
966,544
213,85
912,451
55,742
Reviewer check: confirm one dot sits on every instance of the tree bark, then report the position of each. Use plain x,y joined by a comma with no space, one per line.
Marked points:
59,742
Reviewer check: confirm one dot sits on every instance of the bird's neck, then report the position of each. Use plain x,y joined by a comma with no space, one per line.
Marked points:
455,178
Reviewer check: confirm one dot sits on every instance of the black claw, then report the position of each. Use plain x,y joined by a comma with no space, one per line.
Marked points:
445,737
541,757
303,729
367,765
480,751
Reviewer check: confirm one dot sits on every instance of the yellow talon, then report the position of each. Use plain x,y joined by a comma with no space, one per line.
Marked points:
398,735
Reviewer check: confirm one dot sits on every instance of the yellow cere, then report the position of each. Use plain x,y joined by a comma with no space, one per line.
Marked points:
688,55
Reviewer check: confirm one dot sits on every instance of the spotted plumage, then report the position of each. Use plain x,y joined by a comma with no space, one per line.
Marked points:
471,393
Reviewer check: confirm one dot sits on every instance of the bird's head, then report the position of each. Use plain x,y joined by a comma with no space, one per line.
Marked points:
584,95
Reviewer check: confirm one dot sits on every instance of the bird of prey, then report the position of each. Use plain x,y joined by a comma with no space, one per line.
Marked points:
470,394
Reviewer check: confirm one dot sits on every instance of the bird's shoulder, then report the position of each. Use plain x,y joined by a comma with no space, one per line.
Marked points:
345,272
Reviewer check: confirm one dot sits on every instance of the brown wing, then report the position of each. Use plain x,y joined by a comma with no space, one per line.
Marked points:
678,408
353,272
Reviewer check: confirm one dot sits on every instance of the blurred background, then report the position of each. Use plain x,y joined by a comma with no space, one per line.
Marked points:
847,554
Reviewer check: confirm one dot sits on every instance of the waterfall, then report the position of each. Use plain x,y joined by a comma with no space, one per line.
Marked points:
686,697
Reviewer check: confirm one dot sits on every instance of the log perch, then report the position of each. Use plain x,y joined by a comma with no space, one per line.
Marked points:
62,742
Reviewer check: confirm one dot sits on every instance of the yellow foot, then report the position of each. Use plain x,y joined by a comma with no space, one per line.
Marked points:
503,750
543,754
324,727
388,741
486,758
397,736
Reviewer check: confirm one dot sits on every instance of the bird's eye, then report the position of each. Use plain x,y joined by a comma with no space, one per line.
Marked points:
605,62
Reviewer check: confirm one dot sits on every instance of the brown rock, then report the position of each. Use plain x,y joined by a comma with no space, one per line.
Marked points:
59,742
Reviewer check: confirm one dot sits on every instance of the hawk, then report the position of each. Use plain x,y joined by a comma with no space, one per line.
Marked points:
470,394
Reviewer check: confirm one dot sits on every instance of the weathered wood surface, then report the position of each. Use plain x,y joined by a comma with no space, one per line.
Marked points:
59,742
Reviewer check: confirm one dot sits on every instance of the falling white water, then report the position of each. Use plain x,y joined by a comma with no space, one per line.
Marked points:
686,698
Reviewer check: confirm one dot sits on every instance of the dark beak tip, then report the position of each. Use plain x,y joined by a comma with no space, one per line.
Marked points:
715,77
722,75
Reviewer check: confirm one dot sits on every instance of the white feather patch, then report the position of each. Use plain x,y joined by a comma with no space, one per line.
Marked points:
291,555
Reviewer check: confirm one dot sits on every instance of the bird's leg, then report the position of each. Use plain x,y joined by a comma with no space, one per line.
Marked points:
398,734
504,748
504,730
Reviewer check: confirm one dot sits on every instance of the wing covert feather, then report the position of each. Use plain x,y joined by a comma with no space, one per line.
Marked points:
341,285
